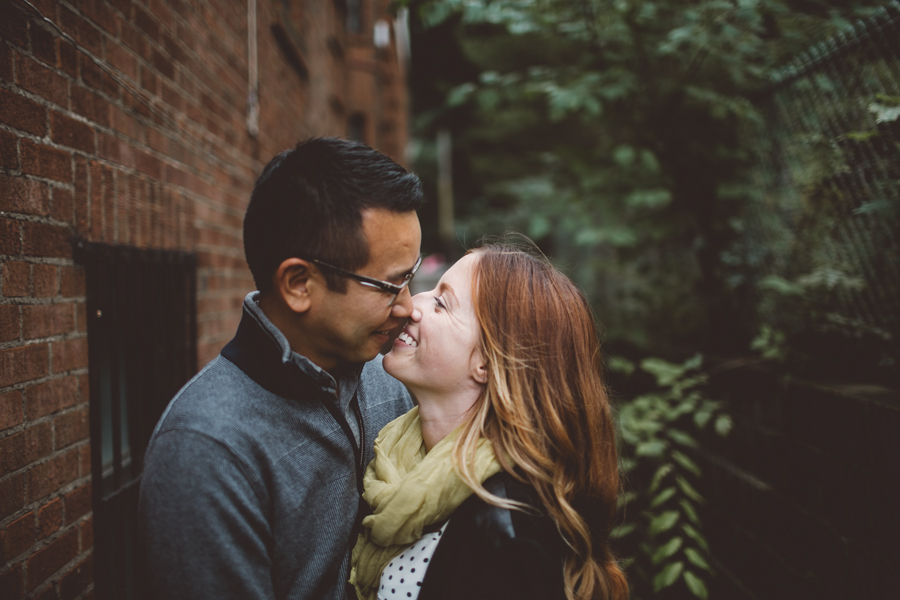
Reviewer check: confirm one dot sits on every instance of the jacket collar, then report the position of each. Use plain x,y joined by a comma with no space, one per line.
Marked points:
263,352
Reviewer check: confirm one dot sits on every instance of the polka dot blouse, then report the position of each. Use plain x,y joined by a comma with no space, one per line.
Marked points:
402,578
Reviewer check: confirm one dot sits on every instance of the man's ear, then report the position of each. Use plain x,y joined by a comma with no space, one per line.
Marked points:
295,284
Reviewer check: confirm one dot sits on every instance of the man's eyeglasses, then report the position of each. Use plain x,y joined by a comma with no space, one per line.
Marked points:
388,288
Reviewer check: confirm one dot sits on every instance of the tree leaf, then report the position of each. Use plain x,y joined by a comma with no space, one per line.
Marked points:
682,438
661,497
697,559
701,418
664,522
667,576
696,585
622,530
688,489
683,460
689,511
667,550
723,425
696,536
653,448
659,475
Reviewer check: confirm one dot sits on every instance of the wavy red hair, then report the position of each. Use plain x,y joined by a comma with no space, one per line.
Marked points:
545,408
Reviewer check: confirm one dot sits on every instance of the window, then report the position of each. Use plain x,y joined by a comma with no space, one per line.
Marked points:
142,349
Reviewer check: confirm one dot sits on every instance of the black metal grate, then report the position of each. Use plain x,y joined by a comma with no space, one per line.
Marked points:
142,349
823,231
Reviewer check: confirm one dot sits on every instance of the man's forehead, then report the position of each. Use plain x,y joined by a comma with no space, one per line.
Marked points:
394,240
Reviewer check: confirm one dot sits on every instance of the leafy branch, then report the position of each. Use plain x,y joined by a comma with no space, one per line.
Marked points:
659,428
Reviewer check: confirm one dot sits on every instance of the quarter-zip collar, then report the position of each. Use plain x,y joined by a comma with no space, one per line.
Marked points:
263,352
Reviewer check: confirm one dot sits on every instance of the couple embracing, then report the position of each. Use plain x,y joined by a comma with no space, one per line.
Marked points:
296,465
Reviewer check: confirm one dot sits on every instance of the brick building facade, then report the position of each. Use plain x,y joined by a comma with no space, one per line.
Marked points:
137,134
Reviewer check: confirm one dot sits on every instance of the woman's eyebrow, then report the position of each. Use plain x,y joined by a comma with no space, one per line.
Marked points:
449,290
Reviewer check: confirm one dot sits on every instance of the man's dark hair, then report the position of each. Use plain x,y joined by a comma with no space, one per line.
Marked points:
308,203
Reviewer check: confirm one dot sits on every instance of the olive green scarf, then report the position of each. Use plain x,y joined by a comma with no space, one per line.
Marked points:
408,490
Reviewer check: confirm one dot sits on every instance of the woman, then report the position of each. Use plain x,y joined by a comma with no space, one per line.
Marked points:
502,482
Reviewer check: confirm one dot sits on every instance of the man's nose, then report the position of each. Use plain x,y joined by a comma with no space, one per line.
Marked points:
403,304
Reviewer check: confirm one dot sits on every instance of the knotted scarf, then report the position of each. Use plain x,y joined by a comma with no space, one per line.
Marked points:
408,490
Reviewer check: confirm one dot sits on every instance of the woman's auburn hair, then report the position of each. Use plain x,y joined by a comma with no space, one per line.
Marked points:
545,408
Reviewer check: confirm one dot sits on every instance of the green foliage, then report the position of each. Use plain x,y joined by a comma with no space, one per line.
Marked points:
659,428
611,133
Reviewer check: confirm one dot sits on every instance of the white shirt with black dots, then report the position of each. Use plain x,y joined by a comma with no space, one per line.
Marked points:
402,578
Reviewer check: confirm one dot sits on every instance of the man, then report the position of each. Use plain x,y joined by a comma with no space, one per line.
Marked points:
252,479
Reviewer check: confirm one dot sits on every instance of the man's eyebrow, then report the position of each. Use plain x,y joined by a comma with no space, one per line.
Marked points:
402,274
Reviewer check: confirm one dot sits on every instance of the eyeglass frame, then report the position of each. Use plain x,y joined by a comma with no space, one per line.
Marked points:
378,284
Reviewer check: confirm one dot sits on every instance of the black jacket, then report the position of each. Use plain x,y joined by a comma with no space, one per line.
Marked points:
494,553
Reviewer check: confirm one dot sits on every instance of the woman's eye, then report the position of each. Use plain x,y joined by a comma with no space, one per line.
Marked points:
439,304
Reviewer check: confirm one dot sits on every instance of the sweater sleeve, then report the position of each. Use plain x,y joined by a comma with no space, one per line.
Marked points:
203,521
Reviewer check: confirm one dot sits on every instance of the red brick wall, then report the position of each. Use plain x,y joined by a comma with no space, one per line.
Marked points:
81,156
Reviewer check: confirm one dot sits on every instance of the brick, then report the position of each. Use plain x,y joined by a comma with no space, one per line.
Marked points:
6,60
9,322
12,495
45,161
16,279
9,151
13,25
75,581
17,537
49,518
11,413
11,582
81,317
68,59
21,449
43,479
83,31
46,240
9,237
24,196
146,163
163,63
44,320
44,281
85,458
44,45
66,131
122,59
61,204
149,80
87,533
40,80
71,281
51,396
21,113
49,593
50,559
146,23
23,364
98,185
78,503
89,105
82,189
100,13
70,428
96,78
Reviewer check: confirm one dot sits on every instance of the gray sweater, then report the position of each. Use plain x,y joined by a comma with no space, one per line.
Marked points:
252,478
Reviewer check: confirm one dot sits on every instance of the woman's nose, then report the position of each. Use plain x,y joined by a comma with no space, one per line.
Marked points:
418,303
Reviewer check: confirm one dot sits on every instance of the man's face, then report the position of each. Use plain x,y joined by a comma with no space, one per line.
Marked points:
352,326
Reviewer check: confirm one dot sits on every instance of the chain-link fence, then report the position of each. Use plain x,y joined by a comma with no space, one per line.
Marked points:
821,233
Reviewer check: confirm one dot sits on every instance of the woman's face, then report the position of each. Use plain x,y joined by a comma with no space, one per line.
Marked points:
438,350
